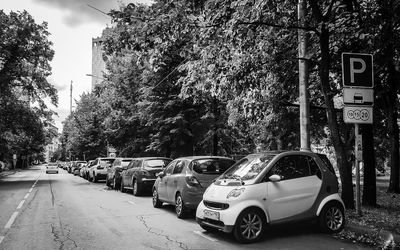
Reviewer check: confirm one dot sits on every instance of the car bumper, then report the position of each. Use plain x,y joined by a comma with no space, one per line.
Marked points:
54,171
225,222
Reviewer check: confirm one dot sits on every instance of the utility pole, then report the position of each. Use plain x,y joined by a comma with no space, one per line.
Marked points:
303,77
70,100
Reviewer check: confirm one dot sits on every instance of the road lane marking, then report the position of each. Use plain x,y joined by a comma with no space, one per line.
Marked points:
1,239
11,220
30,190
21,204
131,202
26,196
205,236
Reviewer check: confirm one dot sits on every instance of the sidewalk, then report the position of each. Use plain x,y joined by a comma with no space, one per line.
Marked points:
382,233
8,172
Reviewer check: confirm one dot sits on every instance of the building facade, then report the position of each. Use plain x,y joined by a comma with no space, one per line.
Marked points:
98,63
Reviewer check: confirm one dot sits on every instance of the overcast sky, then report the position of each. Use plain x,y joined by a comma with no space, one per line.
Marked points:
72,24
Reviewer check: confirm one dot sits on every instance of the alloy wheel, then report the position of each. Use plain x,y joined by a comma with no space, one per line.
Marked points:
251,226
334,218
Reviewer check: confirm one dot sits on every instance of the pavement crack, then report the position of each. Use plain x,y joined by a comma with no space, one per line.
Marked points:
151,230
52,193
62,239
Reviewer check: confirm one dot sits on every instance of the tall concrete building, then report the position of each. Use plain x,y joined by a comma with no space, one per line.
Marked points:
98,63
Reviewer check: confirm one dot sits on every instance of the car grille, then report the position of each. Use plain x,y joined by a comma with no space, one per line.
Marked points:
216,205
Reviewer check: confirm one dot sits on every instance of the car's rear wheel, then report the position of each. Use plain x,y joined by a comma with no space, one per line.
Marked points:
180,209
332,218
156,202
249,226
122,188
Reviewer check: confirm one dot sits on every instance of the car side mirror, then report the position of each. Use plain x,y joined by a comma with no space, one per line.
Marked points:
275,178
161,174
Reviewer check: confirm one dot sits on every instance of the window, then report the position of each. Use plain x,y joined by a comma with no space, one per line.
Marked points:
179,167
156,163
170,168
291,167
314,169
212,166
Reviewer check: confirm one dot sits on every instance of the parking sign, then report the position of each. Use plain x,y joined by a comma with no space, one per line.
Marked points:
357,70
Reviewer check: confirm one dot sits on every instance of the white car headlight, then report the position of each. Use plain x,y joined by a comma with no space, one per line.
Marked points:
235,192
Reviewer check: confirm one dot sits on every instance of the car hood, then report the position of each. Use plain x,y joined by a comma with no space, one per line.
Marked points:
218,193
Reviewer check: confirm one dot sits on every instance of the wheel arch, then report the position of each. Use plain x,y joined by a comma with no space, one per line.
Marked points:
332,199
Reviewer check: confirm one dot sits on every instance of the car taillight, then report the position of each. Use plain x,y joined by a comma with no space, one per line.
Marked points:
192,181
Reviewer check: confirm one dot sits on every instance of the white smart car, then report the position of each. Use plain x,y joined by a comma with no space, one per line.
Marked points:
271,188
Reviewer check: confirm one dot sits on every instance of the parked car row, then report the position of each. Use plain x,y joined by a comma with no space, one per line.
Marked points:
241,198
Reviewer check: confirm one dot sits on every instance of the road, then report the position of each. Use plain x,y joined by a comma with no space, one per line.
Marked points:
62,211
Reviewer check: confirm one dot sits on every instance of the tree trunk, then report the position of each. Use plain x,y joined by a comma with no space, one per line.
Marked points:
369,188
341,157
215,138
394,141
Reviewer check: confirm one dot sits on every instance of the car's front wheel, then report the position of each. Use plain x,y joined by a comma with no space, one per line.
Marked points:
332,218
156,202
249,226
180,208
94,178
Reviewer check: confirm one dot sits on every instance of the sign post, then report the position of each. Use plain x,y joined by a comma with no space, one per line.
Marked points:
358,97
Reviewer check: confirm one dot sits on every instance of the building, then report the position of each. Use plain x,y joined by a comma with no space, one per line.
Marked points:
98,63
53,146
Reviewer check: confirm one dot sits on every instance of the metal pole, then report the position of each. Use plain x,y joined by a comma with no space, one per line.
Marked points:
70,100
357,162
303,78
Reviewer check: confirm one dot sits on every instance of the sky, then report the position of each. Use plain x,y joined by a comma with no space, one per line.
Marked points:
72,25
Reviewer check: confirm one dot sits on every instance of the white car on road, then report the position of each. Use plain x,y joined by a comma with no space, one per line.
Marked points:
272,188
52,167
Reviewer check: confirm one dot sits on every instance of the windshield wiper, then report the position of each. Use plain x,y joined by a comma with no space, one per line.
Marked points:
234,177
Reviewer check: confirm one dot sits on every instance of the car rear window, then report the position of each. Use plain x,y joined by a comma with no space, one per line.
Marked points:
156,163
211,166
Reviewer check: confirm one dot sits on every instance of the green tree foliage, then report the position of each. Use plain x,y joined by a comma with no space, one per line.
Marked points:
25,52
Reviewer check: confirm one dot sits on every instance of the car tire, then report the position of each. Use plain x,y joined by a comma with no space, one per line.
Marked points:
136,189
114,183
156,202
249,226
107,182
332,219
121,187
94,178
180,209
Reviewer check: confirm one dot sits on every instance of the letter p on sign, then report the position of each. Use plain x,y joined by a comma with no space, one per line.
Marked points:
357,70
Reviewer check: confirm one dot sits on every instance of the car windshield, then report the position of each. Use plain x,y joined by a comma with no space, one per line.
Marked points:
211,166
156,163
125,163
248,169
107,161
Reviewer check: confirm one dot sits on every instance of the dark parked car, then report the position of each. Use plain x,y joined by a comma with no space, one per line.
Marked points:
113,178
140,174
74,166
185,179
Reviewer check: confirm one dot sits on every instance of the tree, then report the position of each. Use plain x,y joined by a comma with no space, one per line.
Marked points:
25,52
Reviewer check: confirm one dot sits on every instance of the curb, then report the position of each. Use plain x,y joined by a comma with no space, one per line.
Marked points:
382,233
8,172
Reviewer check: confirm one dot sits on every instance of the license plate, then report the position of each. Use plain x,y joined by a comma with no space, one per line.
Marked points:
211,214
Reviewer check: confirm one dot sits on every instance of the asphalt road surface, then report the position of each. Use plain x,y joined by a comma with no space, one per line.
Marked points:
62,211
